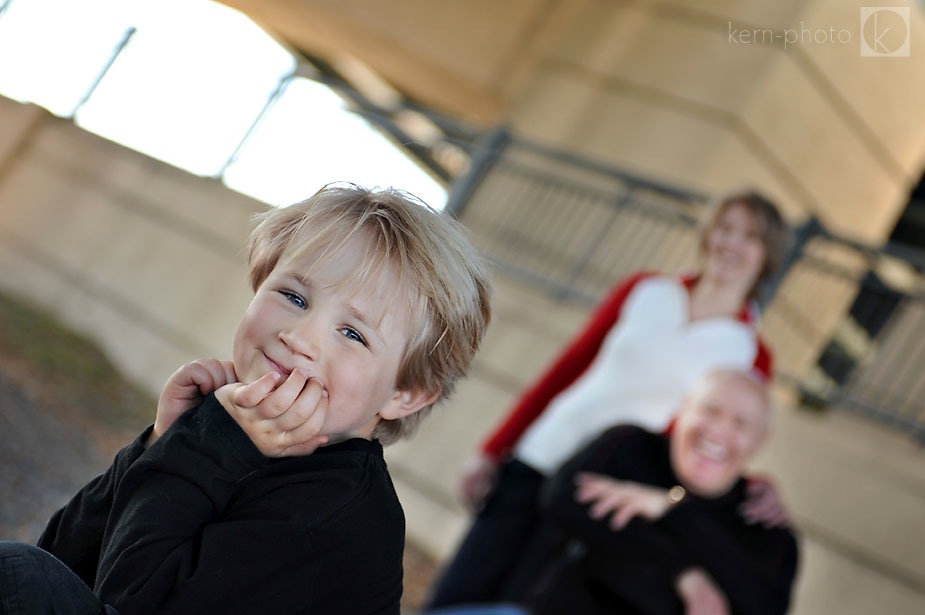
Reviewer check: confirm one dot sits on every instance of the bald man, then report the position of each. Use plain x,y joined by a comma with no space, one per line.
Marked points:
651,523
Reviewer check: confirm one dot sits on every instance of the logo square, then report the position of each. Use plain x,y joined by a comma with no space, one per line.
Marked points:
885,31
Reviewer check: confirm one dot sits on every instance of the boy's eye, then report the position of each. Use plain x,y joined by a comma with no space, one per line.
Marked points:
293,298
353,334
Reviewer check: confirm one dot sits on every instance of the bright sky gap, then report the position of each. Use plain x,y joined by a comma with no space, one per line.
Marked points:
201,87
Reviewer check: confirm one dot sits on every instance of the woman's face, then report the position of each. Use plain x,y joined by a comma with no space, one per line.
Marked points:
734,252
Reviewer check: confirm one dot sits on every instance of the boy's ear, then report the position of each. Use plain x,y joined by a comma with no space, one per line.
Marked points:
404,403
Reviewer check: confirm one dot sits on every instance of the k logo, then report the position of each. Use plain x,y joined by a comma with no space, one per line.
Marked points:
885,31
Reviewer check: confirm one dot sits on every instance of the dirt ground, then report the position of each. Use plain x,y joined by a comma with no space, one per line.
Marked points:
63,413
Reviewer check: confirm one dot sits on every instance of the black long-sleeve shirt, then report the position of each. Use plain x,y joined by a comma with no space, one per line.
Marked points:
635,569
202,522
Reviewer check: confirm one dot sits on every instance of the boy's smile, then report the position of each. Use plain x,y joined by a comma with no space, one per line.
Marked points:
350,339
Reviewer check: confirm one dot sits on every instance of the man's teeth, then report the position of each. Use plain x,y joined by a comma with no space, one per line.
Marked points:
712,450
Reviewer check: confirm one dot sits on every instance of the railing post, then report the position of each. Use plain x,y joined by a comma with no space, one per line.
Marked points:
800,237
484,157
105,70
272,99
624,200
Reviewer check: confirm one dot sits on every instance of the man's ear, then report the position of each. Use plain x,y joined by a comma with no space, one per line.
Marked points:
404,403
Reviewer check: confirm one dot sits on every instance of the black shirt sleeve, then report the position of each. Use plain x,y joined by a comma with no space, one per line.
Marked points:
75,532
157,544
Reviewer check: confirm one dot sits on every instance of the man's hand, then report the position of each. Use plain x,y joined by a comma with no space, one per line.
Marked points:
700,594
283,418
186,388
478,478
763,503
622,500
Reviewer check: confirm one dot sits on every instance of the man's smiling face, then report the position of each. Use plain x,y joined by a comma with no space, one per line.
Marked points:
723,424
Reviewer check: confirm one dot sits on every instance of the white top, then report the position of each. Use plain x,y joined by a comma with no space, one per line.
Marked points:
646,364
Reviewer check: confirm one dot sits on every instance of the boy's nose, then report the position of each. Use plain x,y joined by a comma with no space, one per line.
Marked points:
301,340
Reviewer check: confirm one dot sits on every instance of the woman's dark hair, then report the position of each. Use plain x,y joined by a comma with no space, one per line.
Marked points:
774,231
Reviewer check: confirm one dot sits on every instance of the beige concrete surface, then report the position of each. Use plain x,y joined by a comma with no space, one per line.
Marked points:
658,87
141,256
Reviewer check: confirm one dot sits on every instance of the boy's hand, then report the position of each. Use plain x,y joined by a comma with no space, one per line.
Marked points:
283,418
186,388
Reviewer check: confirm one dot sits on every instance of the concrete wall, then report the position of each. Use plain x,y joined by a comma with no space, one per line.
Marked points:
141,256
670,89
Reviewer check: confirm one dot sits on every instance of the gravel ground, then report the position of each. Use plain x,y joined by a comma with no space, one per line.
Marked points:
63,415
43,460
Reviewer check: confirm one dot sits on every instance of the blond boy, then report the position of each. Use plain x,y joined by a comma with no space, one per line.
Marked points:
271,494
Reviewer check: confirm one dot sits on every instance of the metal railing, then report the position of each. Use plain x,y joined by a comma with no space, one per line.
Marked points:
570,225
867,354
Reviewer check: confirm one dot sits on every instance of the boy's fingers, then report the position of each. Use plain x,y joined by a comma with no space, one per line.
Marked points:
305,448
228,370
215,374
208,375
302,435
249,395
280,400
306,408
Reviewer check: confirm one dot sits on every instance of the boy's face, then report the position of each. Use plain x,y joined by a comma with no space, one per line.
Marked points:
351,341
720,428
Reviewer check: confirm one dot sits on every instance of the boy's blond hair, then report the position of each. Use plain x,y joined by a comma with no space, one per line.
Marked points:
440,275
